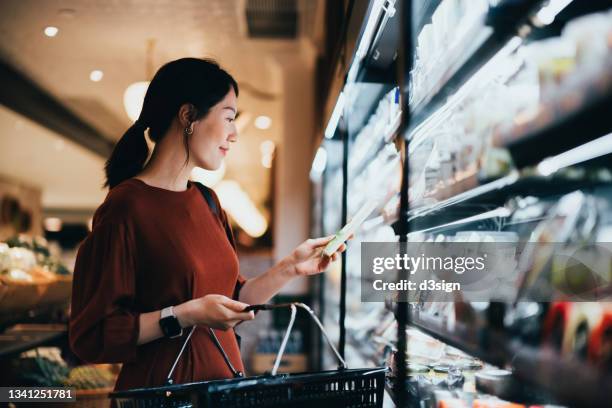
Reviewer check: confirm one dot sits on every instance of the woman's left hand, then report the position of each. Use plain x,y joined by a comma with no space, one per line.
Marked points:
308,257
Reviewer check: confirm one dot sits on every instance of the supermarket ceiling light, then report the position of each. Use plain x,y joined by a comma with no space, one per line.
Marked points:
263,122
266,161
51,31
588,151
267,147
548,13
209,178
133,98
335,117
53,224
239,206
96,75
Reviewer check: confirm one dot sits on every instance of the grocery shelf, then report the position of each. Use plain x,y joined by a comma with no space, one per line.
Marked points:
389,384
378,65
483,44
478,46
492,195
577,113
553,154
423,10
390,133
480,193
364,105
358,347
25,337
568,379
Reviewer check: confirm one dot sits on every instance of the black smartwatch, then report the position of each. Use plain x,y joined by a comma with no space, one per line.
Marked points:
169,323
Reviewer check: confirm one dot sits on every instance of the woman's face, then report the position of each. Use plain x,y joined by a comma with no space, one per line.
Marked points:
212,135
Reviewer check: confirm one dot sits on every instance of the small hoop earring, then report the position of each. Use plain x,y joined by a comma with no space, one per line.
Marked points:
188,130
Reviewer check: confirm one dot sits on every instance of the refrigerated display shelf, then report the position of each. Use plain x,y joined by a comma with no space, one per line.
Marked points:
476,48
501,24
570,380
578,113
495,194
389,388
391,133
364,106
423,14
480,193
567,379
378,65
357,345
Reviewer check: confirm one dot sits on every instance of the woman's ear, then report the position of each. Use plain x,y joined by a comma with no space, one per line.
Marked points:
186,114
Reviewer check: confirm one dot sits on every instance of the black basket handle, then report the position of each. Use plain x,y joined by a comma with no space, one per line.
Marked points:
236,373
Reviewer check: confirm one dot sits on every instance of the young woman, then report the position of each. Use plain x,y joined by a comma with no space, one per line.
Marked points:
159,259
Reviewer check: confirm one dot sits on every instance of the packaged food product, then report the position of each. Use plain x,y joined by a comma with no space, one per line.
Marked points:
600,342
582,318
555,322
496,382
495,403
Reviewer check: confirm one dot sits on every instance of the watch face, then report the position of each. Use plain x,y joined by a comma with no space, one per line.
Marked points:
170,326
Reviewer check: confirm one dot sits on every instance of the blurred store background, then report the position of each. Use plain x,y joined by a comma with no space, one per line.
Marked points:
448,120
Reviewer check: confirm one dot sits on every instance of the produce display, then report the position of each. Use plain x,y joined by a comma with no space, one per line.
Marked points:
40,372
30,275
22,255
50,370
89,377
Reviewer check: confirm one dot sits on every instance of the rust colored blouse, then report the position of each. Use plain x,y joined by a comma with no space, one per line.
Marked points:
151,248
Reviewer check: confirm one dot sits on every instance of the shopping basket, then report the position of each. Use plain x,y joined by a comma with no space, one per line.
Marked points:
343,387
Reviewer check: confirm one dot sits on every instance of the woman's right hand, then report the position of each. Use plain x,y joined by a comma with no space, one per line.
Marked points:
215,311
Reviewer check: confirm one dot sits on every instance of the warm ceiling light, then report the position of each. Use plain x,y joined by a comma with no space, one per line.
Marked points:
51,31
266,161
239,205
96,75
207,177
266,147
263,122
133,98
267,152
53,224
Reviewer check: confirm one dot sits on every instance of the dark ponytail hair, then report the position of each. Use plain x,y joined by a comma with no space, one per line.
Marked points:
199,82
